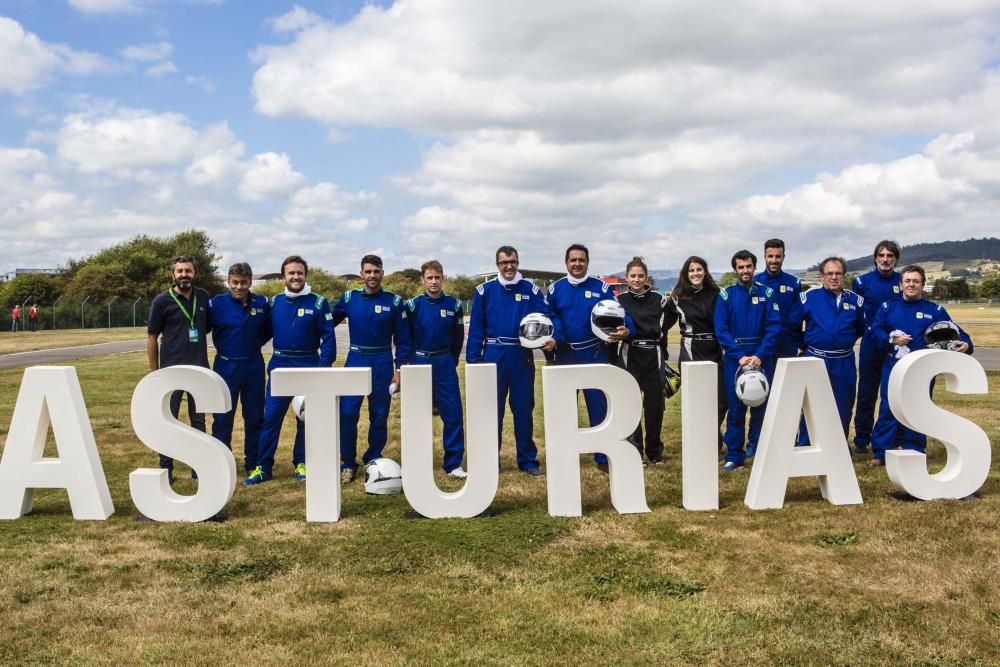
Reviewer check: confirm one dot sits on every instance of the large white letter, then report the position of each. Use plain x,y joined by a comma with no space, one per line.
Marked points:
157,428
700,435
967,445
564,442
480,444
801,386
322,388
51,394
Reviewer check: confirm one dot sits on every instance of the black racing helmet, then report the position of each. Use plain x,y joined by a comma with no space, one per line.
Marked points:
943,335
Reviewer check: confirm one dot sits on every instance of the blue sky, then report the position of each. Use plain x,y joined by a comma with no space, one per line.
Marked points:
433,129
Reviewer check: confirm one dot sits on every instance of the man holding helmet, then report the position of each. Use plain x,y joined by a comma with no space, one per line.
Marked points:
498,306
576,300
903,326
747,326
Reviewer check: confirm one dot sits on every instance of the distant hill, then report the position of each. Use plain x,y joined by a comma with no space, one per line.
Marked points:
944,251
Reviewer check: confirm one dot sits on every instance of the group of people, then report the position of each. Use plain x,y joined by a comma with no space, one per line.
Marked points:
15,318
749,325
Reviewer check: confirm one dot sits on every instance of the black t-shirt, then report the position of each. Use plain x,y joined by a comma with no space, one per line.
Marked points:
166,318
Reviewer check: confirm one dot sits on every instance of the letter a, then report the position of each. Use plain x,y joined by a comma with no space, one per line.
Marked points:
51,394
801,387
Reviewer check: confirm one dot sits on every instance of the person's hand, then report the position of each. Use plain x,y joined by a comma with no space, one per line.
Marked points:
902,339
396,379
549,346
751,360
963,347
619,334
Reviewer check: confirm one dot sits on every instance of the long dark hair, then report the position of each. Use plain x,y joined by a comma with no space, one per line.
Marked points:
684,291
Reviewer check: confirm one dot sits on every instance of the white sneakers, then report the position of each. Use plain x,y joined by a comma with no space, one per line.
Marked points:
458,472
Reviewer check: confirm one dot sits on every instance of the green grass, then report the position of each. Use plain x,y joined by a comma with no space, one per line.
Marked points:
888,582
27,341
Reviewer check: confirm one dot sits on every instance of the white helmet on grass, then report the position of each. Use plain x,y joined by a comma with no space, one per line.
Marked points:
383,477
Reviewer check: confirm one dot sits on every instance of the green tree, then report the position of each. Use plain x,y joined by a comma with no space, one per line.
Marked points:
989,287
461,287
401,285
38,287
141,266
955,288
728,278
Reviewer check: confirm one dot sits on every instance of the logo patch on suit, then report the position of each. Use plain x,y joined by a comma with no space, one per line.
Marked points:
378,309
775,306
754,300
920,315
586,294
301,312
253,311
847,306
782,289
329,316
517,297
895,288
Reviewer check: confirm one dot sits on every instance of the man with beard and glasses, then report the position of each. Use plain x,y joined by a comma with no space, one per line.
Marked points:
302,330
241,324
177,331
643,354
572,298
877,287
747,326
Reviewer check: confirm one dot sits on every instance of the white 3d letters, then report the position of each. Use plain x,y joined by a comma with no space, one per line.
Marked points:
322,388
480,444
700,435
157,428
801,386
564,442
51,394
967,445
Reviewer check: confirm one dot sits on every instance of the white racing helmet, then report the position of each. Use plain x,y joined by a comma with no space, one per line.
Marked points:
606,317
535,330
299,407
383,477
943,335
751,386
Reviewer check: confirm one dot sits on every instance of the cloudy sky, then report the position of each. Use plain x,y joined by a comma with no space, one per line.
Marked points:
427,128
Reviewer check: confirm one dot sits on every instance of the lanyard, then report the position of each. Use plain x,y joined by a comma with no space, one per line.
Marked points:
194,306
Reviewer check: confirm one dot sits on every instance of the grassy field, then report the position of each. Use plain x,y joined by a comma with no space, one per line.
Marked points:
889,582
26,341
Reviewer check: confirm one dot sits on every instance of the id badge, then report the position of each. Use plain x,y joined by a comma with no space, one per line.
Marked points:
192,335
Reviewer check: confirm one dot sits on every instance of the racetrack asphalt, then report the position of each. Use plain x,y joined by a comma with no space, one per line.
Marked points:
989,357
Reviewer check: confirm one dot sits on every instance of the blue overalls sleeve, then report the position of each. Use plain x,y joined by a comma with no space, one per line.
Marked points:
477,328
794,320
857,286
401,335
339,311
721,317
328,340
860,325
458,331
772,330
552,301
878,333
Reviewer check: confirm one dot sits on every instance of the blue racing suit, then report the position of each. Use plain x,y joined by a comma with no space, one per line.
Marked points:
302,327
786,288
497,310
833,324
374,322
747,322
238,332
876,290
575,340
912,317
437,329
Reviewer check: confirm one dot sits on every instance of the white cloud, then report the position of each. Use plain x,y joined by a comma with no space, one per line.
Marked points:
148,52
202,82
129,138
294,20
269,176
29,62
105,6
161,69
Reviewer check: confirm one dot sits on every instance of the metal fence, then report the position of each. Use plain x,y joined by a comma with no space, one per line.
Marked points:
88,314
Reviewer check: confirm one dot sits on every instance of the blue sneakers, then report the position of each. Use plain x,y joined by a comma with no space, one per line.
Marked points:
731,466
257,476
300,472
